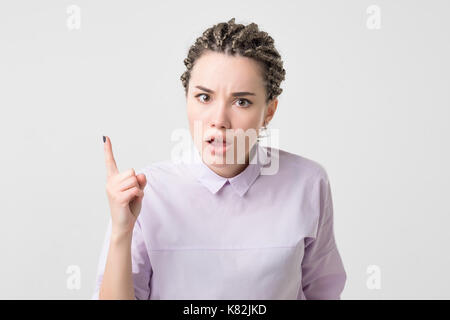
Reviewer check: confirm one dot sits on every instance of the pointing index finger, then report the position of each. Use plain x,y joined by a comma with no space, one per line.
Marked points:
111,167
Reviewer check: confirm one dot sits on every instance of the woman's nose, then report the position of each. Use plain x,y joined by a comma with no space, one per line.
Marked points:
220,117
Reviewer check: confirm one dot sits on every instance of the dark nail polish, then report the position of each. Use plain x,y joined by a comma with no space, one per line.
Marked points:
104,139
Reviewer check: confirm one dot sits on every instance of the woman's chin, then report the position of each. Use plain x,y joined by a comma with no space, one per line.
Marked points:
220,158
217,160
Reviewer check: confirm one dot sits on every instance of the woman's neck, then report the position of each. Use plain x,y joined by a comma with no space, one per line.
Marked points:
229,170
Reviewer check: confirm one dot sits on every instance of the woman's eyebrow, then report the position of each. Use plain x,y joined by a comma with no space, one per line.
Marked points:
235,94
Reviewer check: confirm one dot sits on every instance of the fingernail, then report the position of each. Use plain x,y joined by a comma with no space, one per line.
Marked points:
104,139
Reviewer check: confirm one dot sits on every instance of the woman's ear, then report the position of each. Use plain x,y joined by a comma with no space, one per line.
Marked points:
272,107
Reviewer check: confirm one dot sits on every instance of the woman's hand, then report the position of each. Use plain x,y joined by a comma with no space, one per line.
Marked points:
125,192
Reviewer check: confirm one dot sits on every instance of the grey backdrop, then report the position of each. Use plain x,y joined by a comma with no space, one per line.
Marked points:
372,105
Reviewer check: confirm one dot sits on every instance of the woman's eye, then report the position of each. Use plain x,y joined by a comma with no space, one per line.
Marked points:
201,94
245,100
245,104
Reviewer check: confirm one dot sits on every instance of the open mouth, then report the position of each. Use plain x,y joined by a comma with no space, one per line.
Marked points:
218,146
217,140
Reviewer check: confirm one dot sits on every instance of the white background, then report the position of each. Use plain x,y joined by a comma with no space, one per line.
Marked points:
371,105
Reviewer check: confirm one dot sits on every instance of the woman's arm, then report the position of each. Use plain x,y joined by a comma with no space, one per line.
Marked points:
112,255
125,192
117,280
323,271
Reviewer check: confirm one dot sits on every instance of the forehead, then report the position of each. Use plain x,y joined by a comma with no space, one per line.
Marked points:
220,71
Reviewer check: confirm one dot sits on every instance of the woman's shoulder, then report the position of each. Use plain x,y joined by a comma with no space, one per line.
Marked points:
304,173
159,167
293,164
162,171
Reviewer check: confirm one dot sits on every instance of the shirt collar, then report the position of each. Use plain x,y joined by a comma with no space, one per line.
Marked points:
241,182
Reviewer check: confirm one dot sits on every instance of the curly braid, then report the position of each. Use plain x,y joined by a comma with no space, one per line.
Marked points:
249,41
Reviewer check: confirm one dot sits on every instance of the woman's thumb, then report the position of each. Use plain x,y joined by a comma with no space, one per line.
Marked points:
142,180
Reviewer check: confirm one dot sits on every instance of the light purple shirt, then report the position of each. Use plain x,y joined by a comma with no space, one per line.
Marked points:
252,236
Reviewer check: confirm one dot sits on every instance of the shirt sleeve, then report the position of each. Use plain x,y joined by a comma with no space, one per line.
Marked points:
141,267
323,273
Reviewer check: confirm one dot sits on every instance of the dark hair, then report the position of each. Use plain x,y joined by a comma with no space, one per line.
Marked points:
248,41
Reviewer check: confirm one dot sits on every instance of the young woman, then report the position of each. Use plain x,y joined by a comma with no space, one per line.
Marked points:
238,222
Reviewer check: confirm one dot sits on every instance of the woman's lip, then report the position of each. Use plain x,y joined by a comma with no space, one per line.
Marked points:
218,148
213,141
218,143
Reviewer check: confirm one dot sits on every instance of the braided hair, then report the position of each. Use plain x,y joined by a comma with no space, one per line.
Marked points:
249,41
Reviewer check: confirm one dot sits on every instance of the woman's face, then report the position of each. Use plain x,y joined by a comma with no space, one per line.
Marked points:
227,100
